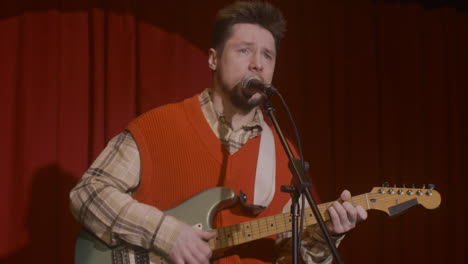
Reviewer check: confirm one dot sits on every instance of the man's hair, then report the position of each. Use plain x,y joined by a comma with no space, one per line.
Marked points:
254,12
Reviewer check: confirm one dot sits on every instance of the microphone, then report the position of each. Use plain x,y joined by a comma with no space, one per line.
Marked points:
253,84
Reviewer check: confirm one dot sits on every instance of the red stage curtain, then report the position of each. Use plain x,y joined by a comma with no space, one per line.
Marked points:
378,89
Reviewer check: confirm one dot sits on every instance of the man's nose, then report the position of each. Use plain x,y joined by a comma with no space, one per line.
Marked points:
256,63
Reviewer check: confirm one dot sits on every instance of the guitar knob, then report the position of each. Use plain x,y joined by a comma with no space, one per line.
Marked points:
431,186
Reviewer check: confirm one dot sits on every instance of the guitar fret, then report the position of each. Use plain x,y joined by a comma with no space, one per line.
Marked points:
233,235
238,235
257,230
227,234
261,228
269,228
220,236
249,231
268,225
286,223
262,224
243,231
276,225
229,240
226,238
280,222
248,235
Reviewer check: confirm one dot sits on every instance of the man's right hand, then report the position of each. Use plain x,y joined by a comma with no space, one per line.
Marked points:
191,246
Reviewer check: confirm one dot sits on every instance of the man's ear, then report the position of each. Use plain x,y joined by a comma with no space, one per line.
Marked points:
212,59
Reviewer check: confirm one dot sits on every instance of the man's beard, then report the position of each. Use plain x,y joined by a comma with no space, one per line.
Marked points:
242,99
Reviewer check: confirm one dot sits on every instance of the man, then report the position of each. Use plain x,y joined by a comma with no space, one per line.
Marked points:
217,138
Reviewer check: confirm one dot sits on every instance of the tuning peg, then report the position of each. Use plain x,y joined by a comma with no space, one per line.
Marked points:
431,186
424,186
394,185
385,184
404,185
413,186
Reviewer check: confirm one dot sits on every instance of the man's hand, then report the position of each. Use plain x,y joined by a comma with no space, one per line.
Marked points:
191,246
344,216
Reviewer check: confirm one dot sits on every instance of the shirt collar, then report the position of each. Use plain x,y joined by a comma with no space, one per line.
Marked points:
213,116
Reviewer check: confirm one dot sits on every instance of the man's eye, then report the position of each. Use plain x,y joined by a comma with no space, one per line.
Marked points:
268,56
243,50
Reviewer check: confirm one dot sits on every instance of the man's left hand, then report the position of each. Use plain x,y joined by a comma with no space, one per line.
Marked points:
344,216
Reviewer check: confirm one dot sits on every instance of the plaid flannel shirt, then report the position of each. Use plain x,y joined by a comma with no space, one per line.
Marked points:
102,200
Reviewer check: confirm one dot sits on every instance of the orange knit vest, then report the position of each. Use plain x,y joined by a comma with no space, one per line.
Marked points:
181,156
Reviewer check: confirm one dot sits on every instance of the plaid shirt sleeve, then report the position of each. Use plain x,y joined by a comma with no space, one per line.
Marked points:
102,201
314,248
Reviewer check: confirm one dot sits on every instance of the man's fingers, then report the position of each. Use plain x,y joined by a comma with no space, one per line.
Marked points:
206,235
191,246
197,252
205,249
205,252
343,215
345,195
196,256
352,213
335,218
362,213
178,259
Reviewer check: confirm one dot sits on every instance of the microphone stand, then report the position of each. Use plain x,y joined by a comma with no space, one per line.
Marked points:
300,186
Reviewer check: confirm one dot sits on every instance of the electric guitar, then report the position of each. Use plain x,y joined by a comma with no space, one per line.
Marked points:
199,211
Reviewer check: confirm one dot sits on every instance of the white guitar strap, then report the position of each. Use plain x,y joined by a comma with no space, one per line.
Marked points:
266,168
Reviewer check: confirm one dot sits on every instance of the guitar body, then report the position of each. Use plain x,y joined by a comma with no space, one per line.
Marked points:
198,211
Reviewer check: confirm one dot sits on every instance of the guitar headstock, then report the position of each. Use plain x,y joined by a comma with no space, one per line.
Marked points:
395,200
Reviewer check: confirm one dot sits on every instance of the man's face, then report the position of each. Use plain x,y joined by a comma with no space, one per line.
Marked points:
250,50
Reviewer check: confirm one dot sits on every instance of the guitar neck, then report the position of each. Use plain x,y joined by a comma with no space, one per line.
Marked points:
245,232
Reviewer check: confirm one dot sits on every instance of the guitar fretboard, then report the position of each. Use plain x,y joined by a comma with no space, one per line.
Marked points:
241,233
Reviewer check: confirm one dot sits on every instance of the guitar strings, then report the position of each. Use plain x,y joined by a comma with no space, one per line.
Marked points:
263,229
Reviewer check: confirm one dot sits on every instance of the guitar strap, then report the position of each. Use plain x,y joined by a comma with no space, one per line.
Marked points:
265,183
